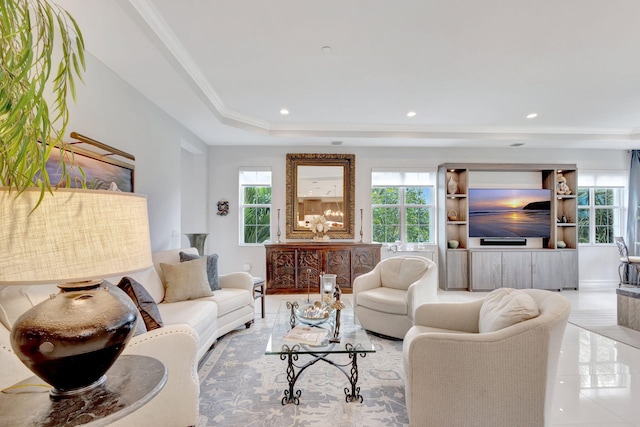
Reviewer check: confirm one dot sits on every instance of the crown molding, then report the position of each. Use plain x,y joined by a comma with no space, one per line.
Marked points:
195,78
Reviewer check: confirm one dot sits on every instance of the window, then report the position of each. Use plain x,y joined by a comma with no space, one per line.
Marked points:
600,206
402,207
255,206
599,211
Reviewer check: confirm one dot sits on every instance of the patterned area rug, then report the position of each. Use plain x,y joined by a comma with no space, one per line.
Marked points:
241,386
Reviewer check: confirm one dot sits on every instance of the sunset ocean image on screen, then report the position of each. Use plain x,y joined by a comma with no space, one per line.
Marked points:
509,213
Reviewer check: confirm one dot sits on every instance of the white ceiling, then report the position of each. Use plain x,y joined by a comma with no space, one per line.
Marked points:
471,70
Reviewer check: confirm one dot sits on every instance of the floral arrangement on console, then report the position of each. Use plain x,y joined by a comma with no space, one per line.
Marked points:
319,227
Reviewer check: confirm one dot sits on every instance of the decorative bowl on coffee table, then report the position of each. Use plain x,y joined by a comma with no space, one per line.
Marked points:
314,314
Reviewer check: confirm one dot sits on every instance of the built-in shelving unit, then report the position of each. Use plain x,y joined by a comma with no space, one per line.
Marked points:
551,263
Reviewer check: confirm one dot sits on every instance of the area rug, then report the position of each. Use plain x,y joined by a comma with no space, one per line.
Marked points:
605,323
241,386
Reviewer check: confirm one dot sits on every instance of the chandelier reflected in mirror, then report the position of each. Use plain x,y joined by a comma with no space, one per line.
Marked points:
337,214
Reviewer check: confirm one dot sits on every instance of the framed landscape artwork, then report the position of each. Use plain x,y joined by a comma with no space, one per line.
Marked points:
101,171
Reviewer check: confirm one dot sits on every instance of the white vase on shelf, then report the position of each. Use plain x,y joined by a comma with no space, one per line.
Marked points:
452,186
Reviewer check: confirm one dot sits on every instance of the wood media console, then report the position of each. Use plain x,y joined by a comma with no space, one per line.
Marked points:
294,267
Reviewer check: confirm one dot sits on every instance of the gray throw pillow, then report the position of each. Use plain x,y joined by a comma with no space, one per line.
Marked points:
212,268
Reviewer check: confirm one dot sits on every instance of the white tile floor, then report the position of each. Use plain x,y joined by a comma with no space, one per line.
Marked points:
598,382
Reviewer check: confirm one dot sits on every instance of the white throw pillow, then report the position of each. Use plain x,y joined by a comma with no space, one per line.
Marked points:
186,280
505,307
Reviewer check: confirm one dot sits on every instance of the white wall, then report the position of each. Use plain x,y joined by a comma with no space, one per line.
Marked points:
194,193
184,179
596,263
112,112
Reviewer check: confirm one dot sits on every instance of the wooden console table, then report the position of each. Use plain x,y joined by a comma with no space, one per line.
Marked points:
291,267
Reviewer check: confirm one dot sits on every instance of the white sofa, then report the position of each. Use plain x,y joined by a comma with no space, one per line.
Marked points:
211,317
190,328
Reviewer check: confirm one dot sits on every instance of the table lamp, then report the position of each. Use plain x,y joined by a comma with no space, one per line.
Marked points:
74,238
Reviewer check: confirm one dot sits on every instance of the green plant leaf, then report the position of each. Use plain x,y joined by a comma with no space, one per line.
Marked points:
31,32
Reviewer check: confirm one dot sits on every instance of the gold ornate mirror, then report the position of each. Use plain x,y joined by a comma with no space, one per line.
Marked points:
320,184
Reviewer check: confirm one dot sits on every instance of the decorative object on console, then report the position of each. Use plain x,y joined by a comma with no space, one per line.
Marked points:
278,241
361,233
223,207
319,228
73,238
196,240
452,186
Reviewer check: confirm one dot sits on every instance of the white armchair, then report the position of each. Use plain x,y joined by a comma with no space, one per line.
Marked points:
385,298
177,403
457,376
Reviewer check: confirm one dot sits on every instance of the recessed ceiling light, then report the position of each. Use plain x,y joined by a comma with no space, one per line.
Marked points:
532,115
517,144
411,114
284,111
336,142
326,49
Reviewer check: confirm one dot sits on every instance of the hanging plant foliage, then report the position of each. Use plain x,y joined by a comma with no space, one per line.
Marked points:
41,55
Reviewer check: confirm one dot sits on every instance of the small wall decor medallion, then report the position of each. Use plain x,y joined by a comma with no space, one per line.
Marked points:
223,207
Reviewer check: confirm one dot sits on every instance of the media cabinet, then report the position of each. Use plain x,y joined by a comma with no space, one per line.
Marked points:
295,267
485,264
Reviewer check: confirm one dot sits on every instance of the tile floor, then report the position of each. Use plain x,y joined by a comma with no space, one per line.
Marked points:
598,382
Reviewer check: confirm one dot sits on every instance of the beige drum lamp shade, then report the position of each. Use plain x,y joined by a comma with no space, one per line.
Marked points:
74,235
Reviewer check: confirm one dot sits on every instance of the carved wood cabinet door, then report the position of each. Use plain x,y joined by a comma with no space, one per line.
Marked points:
363,261
338,262
283,269
296,267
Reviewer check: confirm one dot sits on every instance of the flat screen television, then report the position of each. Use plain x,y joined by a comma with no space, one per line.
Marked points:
509,213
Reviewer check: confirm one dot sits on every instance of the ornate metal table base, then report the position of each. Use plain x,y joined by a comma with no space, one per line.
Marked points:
290,354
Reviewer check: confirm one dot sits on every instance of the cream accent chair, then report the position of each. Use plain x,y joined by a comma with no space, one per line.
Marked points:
386,297
456,376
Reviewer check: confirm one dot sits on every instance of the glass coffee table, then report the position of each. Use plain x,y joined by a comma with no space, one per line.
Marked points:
351,340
